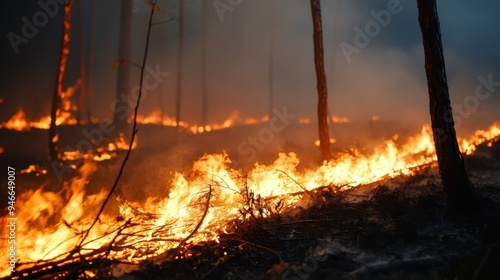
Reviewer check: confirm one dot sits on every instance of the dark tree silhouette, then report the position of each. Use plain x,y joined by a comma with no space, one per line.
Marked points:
204,90
61,73
122,109
324,135
180,62
271,57
460,193
81,56
90,63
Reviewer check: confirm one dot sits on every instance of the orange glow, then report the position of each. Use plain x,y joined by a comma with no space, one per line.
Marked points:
305,120
316,143
100,153
19,121
234,119
375,118
212,190
336,119
36,169
1,150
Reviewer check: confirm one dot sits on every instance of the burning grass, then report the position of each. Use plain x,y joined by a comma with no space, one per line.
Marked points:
262,212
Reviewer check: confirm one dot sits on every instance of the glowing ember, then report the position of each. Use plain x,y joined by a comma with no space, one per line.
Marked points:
336,119
304,120
316,143
375,118
2,150
205,201
36,169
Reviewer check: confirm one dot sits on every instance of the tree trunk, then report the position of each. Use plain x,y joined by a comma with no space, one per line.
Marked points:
204,97
81,54
61,72
90,64
459,190
179,64
122,109
324,135
271,58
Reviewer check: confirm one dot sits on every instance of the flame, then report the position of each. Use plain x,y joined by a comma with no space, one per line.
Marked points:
155,118
99,153
205,201
19,121
375,118
33,168
2,150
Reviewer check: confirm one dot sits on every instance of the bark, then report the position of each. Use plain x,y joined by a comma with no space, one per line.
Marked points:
81,54
90,64
122,83
204,97
324,136
271,59
458,188
180,62
61,73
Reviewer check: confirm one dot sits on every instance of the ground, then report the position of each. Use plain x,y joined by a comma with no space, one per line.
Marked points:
397,228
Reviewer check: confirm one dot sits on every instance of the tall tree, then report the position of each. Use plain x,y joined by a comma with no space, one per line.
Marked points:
122,81
324,135
458,188
204,90
90,63
81,56
271,58
61,73
180,61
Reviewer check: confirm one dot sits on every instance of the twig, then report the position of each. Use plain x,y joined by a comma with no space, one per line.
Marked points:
134,130
298,184
161,22
261,247
200,222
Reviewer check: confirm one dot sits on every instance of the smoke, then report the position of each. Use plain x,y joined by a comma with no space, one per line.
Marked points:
385,79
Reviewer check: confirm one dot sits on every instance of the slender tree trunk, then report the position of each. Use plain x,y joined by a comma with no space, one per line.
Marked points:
271,59
61,72
457,186
90,63
81,50
122,83
324,136
180,62
204,89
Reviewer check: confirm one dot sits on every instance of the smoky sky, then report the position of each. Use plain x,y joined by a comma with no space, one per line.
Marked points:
386,78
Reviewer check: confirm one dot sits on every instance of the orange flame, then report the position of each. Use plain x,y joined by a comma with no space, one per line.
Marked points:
19,121
206,200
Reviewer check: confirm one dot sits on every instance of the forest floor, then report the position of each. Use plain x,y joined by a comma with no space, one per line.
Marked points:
397,229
